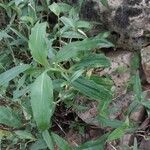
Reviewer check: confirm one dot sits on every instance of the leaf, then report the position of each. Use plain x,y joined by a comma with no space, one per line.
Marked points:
12,73
137,88
19,34
38,145
119,132
42,101
4,34
68,22
146,104
83,24
109,122
60,142
55,9
24,135
37,43
105,81
48,139
104,2
71,50
93,61
64,7
76,75
135,62
91,89
9,117
72,35
94,144
19,93
116,134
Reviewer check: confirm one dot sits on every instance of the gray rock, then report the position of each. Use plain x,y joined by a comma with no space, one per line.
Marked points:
130,19
145,57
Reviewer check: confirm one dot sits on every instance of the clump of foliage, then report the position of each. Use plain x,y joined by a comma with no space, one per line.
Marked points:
46,59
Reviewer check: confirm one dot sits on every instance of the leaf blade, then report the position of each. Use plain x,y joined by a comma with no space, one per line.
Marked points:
42,100
9,117
37,43
12,73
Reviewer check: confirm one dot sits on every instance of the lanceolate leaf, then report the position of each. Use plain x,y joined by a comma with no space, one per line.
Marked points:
37,43
22,134
92,89
60,142
42,101
48,139
12,73
93,61
94,144
71,50
9,117
119,132
137,88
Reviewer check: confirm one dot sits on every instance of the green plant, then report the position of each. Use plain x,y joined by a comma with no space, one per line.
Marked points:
44,65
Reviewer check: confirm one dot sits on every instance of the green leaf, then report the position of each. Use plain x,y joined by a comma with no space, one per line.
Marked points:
93,61
135,62
72,35
12,73
9,117
104,2
19,34
68,22
105,81
19,93
109,122
116,134
55,9
24,135
83,24
71,50
37,43
42,101
48,139
146,104
38,145
64,7
92,89
3,34
60,142
137,88
119,132
98,144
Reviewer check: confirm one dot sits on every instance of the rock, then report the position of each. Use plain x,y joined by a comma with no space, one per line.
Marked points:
145,56
145,145
130,19
127,139
138,115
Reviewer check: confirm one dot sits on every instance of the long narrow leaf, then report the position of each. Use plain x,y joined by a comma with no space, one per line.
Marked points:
48,139
37,43
71,50
92,89
93,61
42,101
12,73
9,117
